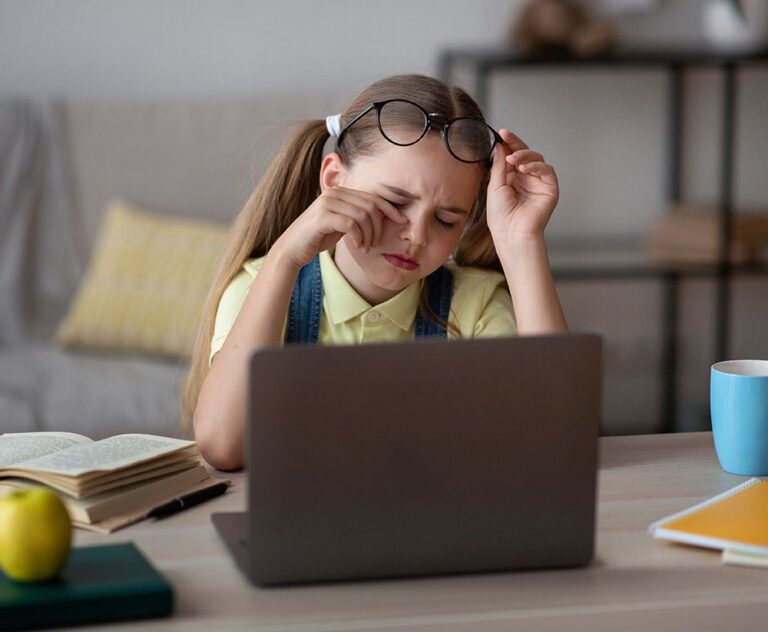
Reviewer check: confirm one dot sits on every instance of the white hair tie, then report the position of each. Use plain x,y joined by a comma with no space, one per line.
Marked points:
333,124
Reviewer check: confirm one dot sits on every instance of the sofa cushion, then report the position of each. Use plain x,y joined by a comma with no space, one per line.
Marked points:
145,285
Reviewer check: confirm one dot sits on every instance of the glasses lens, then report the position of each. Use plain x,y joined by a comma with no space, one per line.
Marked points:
470,140
402,123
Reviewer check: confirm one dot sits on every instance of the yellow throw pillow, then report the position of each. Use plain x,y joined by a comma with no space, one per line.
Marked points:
146,283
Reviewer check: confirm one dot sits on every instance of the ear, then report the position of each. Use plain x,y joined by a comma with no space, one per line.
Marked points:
331,171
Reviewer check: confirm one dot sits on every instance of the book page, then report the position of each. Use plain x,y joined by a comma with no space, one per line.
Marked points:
129,517
107,454
16,447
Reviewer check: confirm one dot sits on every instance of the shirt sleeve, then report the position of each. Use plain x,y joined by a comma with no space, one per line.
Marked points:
482,306
229,307
498,317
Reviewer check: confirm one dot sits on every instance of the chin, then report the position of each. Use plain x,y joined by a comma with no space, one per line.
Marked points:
390,280
383,275
395,285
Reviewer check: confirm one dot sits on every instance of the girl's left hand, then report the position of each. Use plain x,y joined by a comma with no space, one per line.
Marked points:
522,190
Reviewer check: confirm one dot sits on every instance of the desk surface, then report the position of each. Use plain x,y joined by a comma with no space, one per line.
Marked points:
634,583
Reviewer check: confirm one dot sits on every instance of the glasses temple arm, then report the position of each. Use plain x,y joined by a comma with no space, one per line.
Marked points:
355,120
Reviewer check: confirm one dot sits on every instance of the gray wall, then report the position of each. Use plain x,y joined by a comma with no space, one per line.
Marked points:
603,131
206,47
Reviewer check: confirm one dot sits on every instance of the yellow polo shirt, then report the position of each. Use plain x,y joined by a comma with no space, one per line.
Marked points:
481,307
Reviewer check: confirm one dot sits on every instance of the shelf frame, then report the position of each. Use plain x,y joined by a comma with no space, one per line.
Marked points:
486,60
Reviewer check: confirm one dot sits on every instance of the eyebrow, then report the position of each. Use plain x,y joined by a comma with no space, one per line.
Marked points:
403,193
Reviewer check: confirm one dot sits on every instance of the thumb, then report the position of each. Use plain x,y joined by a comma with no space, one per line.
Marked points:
498,177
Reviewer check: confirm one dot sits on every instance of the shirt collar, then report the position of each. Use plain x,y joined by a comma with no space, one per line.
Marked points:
342,303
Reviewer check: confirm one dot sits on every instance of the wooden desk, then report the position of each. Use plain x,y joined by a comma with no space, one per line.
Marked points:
634,583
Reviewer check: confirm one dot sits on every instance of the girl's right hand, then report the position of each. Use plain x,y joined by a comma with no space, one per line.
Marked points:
337,212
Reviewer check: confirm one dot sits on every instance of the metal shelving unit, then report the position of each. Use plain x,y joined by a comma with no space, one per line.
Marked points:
483,62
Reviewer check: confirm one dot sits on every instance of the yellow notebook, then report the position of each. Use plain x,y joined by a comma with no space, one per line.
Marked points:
735,520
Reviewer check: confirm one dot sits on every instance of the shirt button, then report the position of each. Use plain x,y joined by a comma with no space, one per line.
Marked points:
373,317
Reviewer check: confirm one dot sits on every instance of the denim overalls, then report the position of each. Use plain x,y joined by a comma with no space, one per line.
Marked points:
307,303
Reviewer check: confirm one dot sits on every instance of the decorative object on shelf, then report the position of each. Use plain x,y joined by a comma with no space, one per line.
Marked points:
690,234
560,27
626,6
737,25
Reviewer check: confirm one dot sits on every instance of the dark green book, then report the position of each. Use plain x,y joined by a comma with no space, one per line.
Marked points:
99,583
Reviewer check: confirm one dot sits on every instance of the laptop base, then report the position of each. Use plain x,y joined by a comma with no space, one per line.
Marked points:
233,529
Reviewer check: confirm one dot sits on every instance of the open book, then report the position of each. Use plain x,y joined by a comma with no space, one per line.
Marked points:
105,484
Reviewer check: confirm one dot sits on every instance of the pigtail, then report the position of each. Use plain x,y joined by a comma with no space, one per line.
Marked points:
475,248
290,184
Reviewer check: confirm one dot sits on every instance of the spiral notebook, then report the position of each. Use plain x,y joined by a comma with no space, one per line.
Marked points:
736,520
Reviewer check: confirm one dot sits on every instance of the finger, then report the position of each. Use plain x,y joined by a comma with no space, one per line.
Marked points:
393,213
370,204
512,141
389,210
354,211
368,214
377,219
379,202
522,156
344,224
375,207
498,176
541,170
363,220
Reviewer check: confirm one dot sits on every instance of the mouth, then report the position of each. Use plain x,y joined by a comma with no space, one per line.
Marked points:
404,262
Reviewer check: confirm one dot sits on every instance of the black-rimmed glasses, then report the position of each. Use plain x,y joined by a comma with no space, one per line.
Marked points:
404,123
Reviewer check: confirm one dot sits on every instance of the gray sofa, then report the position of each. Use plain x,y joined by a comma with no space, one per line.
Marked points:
60,163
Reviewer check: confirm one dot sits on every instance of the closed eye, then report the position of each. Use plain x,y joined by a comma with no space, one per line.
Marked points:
442,223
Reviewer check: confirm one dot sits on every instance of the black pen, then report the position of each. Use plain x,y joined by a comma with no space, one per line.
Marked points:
195,498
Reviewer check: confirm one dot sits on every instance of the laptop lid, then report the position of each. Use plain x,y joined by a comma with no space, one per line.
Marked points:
421,458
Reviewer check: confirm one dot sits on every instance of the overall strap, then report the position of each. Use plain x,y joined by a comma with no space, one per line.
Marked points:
306,305
439,295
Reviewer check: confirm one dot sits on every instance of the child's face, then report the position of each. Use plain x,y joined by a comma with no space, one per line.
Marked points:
433,190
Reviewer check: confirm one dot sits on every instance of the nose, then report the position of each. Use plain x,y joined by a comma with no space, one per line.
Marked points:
415,230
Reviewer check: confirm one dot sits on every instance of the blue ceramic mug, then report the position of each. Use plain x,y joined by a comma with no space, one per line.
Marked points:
738,396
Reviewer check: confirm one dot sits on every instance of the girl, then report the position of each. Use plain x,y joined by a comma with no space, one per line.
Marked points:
351,247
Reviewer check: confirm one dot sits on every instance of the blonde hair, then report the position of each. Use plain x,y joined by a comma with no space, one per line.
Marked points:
292,182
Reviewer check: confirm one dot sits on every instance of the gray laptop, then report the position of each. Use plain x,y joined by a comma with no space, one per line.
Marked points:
419,458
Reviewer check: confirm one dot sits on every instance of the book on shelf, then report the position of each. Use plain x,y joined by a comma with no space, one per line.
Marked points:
105,484
690,234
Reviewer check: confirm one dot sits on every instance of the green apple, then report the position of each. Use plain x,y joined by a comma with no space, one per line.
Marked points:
35,534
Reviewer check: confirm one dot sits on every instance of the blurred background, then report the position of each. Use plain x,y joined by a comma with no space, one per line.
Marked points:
175,107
